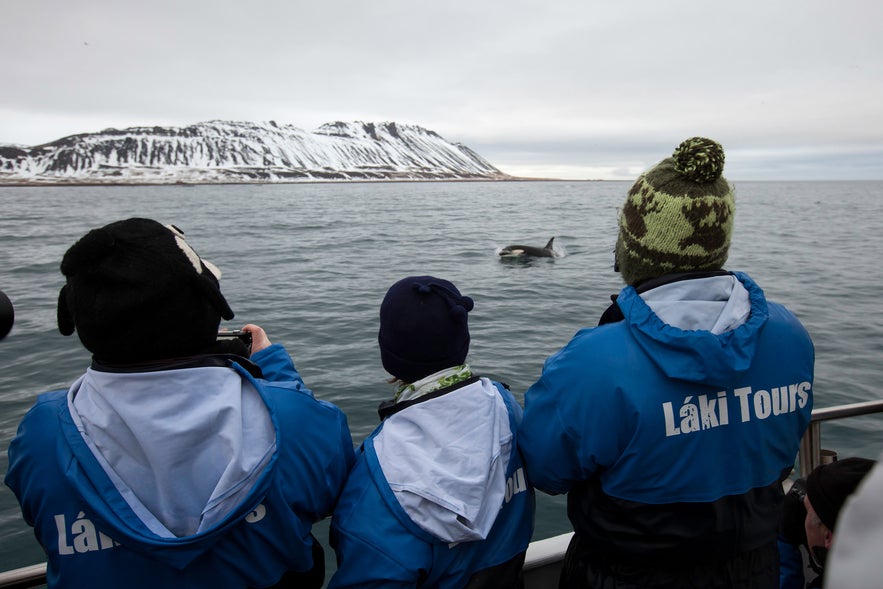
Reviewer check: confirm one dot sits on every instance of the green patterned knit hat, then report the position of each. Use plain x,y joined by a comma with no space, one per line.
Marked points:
678,216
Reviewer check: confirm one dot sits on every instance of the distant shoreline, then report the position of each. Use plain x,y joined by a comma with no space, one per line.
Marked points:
68,183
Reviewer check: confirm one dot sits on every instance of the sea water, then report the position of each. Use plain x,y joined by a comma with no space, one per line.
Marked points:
311,263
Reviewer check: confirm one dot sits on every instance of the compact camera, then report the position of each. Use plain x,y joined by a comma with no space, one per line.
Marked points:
231,337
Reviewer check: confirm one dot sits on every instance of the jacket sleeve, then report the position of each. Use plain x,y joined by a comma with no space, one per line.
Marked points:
547,446
575,423
338,470
790,566
316,446
326,442
373,547
27,452
19,474
277,365
363,565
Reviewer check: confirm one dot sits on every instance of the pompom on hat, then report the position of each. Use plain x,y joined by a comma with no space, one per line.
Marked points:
423,327
137,292
678,216
828,486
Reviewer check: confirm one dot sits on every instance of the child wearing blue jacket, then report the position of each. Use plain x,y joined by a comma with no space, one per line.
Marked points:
438,497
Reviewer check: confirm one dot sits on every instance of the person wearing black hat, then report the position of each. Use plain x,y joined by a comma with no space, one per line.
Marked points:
854,561
7,315
827,488
672,424
172,462
438,496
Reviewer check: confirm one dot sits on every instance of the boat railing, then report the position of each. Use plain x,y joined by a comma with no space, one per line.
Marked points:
811,452
544,557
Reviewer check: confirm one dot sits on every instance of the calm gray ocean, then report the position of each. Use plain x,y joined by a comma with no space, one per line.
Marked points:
311,263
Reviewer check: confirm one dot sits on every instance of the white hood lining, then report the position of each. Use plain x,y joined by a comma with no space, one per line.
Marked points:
183,447
716,304
445,460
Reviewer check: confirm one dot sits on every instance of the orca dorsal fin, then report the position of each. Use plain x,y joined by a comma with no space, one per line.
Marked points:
549,245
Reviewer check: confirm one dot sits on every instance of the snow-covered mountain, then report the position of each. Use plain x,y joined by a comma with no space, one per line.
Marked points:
226,151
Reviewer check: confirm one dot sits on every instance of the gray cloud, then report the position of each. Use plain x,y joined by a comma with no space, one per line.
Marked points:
793,89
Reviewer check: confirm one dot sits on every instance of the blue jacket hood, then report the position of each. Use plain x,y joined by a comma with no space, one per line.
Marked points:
132,527
104,522
445,461
698,355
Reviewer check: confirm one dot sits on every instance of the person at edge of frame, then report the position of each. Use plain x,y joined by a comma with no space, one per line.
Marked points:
812,510
854,559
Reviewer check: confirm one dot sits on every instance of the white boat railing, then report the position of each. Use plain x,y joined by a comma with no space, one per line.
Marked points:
32,576
542,563
543,560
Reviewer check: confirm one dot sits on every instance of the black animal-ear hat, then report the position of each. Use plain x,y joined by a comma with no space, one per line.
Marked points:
136,292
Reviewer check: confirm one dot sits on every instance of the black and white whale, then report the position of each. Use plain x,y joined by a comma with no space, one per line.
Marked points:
512,251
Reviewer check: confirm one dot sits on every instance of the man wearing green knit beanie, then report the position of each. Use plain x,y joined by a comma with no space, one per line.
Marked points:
678,216
672,424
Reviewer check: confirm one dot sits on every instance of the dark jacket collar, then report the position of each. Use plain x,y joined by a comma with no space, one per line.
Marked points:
390,407
613,314
216,360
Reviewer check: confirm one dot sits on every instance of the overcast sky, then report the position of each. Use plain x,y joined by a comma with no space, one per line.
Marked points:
573,89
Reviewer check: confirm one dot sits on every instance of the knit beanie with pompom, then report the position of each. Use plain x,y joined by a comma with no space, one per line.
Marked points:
678,216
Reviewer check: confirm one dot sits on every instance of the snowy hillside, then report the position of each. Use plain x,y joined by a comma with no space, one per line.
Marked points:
225,151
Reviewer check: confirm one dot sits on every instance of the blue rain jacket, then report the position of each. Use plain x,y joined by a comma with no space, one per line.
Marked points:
101,529
671,441
438,495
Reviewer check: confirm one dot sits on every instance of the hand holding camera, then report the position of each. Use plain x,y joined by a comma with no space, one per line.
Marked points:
246,341
236,341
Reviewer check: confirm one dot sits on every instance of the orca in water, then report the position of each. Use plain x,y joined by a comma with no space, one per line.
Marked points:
529,250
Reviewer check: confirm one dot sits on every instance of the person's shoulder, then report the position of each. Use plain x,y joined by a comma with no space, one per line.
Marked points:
782,316
781,310
297,409
508,398
303,400
51,397
317,415
502,387
47,404
607,341
39,430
